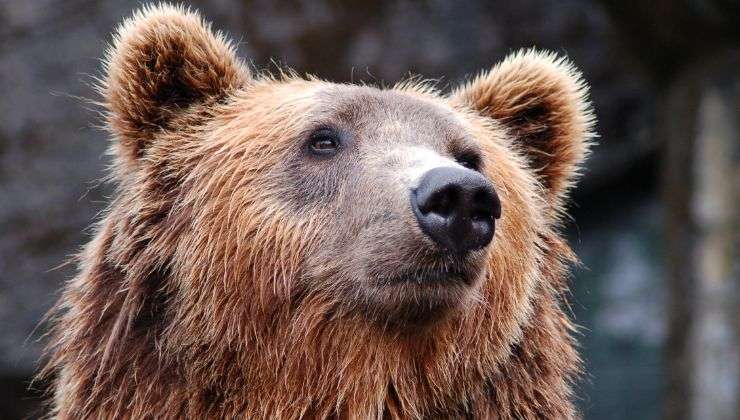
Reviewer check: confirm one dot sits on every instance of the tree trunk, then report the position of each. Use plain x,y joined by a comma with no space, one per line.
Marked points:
677,120
699,125
716,209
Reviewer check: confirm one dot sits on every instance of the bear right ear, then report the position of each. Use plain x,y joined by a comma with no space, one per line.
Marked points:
163,60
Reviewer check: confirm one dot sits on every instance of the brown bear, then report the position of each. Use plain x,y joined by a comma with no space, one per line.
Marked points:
285,247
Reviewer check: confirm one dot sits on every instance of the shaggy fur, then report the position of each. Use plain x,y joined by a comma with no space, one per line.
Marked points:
213,287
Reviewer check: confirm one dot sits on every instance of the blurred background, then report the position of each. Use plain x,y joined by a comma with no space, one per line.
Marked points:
656,219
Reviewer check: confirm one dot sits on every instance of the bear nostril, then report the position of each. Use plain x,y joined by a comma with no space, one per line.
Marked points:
482,197
456,208
485,204
441,202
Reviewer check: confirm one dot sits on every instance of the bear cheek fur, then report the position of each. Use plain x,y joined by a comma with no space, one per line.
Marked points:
243,246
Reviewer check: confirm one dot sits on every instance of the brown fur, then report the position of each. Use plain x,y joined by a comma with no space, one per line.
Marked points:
208,294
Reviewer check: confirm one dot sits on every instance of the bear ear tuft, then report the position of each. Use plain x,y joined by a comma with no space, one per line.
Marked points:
162,60
542,100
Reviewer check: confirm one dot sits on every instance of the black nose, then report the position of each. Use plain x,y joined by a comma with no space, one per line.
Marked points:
456,208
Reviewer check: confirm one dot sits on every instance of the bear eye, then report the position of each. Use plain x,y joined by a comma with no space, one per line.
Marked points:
324,142
469,160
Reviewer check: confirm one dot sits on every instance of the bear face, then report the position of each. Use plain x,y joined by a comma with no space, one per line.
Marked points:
281,242
371,257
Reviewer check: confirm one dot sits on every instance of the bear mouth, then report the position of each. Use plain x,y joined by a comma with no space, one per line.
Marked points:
426,277
412,299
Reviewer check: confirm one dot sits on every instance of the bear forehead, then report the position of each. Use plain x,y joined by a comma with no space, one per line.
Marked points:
364,106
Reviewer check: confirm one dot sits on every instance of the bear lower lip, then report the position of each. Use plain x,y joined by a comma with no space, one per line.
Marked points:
426,278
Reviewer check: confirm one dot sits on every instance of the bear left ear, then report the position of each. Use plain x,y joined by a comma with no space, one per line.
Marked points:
164,60
542,100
